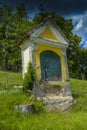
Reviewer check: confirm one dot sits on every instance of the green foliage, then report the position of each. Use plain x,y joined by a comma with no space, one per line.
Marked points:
14,78
21,11
83,62
29,78
13,25
73,119
38,105
79,92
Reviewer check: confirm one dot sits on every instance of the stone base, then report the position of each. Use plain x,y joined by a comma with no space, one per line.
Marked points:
41,90
57,103
54,97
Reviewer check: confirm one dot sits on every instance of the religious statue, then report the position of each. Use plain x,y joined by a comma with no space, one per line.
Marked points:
45,68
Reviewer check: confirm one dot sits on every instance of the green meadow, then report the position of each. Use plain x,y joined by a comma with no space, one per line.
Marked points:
73,119
10,79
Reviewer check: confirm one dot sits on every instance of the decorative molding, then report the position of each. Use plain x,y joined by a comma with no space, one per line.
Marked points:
58,35
55,30
48,42
39,30
26,45
34,46
64,52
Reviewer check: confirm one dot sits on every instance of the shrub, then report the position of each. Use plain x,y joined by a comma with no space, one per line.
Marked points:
39,107
29,78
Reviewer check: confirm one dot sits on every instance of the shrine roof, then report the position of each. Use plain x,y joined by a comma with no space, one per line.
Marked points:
48,18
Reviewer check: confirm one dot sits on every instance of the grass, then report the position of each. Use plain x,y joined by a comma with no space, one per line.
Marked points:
10,78
79,92
10,119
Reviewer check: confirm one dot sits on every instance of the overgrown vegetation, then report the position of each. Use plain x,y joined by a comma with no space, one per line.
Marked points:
29,78
10,119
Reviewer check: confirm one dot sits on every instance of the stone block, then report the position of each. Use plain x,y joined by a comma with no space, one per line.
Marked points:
58,103
25,108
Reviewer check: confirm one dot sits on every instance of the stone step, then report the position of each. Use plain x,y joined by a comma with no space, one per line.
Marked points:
57,103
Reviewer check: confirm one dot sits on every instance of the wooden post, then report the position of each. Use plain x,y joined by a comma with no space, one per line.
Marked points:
6,81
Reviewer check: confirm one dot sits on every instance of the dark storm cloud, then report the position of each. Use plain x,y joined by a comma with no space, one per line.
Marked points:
62,7
73,9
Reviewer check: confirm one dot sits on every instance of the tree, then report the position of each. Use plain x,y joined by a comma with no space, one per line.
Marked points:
29,78
21,11
5,27
83,63
13,25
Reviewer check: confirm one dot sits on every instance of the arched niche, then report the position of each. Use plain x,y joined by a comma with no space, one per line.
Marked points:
50,63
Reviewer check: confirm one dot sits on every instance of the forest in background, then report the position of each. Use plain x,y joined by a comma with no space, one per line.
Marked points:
15,22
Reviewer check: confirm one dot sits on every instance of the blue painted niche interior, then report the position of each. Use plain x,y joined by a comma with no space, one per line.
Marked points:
50,66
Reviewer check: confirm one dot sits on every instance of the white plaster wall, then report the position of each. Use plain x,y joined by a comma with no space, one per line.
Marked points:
26,57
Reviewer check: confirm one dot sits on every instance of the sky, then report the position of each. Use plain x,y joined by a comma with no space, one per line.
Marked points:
70,9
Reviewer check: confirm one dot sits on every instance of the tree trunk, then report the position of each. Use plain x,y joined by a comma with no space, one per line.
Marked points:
6,64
